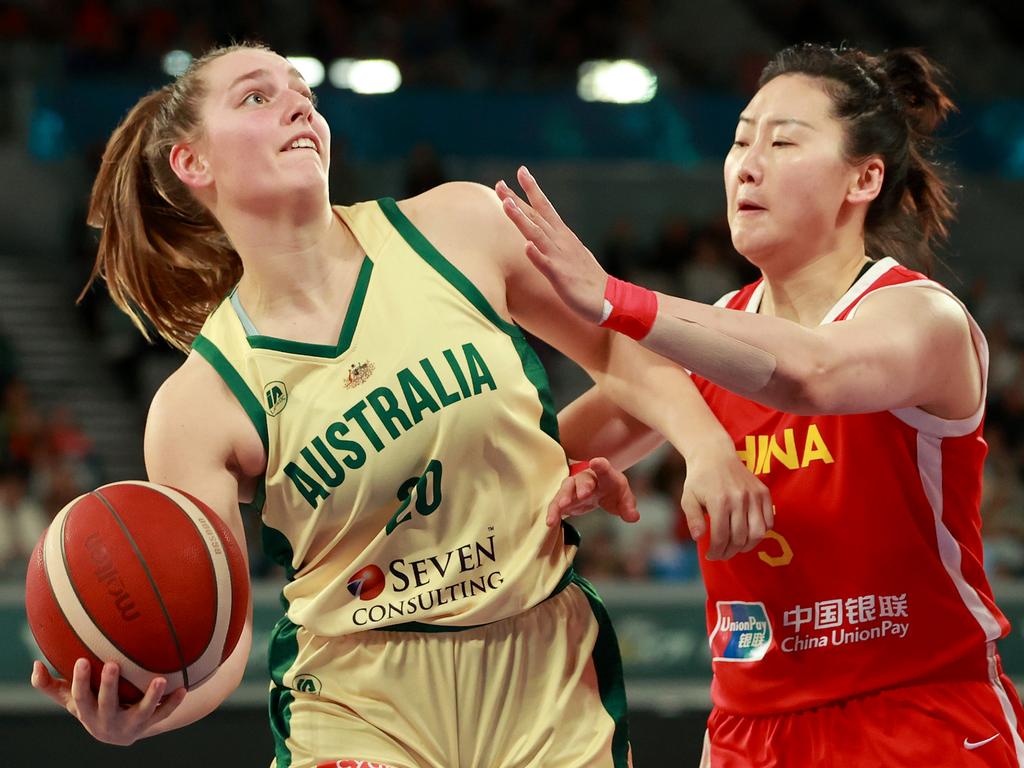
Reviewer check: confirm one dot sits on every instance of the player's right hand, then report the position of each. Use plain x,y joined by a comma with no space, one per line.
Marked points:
599,485
102,714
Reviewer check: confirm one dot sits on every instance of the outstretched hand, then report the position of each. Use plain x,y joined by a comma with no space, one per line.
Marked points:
600,485
101,713
554,249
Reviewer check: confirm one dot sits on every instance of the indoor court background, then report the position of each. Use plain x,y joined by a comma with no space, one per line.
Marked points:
630,152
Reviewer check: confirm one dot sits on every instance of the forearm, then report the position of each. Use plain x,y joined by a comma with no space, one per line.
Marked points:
661,395
592,425
766,359
209,695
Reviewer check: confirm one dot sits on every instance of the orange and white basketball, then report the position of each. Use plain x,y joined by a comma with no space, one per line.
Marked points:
141,574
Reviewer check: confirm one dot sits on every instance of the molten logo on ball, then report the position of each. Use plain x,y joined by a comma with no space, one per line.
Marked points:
367,583
107,573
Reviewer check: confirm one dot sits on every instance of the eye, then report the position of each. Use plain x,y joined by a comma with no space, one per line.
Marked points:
256,98
739,143
782,143
311,96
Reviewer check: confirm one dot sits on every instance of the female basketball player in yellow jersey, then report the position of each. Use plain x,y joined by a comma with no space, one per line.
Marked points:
365,386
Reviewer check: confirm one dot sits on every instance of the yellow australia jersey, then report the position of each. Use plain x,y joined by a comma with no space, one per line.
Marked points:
409,466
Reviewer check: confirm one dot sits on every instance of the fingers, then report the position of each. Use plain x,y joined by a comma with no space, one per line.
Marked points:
694,514
738,524
512,202
756,527
526,225
54,688
151,699
617,497
563,499
108,701
536,195
81,692
168,706
720,527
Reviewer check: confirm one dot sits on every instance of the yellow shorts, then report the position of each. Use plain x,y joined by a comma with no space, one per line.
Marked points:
541,689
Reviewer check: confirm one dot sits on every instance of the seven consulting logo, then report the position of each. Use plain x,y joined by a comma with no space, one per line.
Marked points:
367,583
743,632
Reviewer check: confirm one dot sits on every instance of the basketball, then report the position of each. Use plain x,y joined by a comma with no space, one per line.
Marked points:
143,575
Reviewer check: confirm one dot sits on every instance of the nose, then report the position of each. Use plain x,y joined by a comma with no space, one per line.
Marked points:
299,108
749,168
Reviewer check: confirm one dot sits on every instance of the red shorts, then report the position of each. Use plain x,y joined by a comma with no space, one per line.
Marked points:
968,724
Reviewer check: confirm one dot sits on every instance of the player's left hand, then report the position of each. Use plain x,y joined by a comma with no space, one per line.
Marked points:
724,500
554,249
599,485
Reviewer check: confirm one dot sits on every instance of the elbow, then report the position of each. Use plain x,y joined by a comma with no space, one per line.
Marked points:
803,389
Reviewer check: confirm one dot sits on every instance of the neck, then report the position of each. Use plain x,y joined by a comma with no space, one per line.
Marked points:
804,291
291,262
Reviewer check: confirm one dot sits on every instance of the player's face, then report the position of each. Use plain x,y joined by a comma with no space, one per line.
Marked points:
785,176
262,136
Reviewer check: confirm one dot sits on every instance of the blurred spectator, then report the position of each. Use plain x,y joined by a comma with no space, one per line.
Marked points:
673,245
22,519
1002,507
621,253
68,444
708,275
423,170
655,551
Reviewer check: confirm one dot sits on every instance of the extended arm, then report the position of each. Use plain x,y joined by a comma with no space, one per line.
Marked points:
909,346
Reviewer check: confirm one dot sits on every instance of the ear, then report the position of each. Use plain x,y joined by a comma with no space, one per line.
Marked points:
867,183
190,166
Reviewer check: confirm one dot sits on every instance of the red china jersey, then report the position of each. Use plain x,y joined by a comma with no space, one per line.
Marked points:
872,577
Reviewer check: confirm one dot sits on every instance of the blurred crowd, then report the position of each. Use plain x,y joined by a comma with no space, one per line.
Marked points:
46,460
502,43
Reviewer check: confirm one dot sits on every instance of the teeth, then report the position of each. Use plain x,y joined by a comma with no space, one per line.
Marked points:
303,143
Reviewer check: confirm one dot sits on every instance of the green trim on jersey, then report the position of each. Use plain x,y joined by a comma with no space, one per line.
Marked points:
280,711
348,327
283,650
236,384
419,243
532,366
534,371
608,665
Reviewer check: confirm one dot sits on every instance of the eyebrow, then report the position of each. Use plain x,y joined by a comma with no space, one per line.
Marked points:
261,72
781,121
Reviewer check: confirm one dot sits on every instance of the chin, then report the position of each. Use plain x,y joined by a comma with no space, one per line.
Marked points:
756,250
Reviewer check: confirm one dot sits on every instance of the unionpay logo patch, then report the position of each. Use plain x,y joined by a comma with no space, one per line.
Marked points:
743,632
367,582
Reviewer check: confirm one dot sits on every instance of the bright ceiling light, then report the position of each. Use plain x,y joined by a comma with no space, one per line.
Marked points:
312,70
616,82
176,62
365,75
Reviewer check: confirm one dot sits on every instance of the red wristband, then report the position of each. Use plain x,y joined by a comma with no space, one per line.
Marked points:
578,466
631,309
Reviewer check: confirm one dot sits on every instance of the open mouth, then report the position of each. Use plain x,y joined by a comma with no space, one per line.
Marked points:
301,143
747,207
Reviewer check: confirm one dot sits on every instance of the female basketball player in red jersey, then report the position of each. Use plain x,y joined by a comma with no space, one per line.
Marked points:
220,179
862,631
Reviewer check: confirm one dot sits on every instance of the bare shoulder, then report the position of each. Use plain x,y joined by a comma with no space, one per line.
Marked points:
195,417
465,222
463,198
933,311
